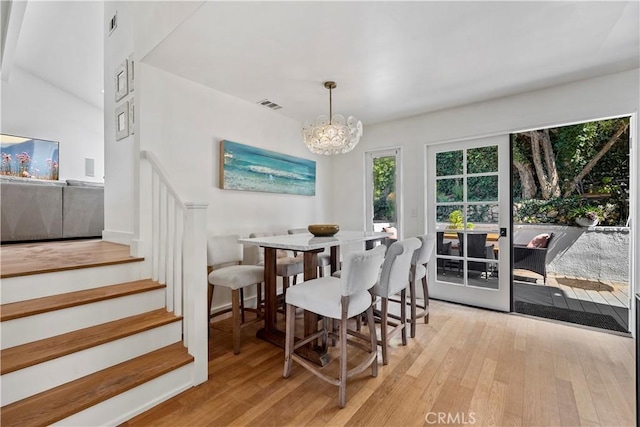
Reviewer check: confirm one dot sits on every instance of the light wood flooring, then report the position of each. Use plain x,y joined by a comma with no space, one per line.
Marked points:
20,259
497,369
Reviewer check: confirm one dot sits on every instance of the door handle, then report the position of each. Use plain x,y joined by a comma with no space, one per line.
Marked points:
503,232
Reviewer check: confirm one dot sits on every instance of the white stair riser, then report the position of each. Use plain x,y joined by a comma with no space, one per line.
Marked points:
27,329
127,405
42,285
35,379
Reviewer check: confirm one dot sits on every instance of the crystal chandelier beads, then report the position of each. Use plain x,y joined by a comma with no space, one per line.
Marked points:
332,134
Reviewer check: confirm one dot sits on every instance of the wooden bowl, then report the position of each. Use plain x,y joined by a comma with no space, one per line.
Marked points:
323,230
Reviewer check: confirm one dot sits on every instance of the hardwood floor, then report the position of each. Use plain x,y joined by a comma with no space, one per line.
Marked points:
22,259
467,366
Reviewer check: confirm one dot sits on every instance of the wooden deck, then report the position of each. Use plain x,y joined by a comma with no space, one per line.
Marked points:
614,302
23,259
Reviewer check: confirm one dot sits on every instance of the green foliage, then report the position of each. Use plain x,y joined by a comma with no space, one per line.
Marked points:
587,211
456,221
574,147
563,211
384,184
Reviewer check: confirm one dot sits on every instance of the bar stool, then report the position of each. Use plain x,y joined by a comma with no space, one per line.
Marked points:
337,298
224,254
394,279
419,273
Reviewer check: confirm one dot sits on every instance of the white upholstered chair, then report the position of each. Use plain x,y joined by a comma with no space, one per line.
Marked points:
338,298
419,274
394,279
224,254
324,259
287,267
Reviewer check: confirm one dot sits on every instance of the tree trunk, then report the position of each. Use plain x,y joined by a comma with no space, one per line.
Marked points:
547,173
550,161
606,147
528,181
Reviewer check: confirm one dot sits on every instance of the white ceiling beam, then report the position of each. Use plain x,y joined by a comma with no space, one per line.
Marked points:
13,15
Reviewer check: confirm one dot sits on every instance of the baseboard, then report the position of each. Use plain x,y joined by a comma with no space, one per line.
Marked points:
120,237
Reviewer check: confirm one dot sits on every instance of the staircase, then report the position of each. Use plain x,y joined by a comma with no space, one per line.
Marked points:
91,344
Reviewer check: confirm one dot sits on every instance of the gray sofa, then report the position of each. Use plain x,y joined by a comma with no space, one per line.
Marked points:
45,210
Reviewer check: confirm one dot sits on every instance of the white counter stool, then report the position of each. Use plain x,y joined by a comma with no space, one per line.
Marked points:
417,274
394,279
224,254
337,298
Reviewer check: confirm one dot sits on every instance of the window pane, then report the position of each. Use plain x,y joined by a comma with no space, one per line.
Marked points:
483,214
483,159
482,188
384,185
449,190
449,163
449,216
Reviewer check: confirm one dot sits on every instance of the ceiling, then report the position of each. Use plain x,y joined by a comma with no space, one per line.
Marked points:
390,59
62,43
397,59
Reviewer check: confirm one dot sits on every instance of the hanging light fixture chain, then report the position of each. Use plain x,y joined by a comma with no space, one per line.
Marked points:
330,85
330,106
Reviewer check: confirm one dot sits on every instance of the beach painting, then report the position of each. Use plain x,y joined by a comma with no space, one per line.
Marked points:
253,169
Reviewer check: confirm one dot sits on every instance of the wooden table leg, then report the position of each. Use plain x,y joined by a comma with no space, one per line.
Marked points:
312,351
335,258
270,332
270,284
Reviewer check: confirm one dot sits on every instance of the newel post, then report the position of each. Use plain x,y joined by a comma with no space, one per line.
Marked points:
195,287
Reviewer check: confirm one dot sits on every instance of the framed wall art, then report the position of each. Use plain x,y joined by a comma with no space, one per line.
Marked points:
131,73
247,168
121,81
132,116
122,121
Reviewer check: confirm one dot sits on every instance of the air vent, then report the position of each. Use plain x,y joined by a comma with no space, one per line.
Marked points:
89,167
269,104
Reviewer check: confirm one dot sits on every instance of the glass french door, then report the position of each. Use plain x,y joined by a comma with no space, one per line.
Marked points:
468,202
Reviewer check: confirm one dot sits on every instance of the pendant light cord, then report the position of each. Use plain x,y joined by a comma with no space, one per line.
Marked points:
330,107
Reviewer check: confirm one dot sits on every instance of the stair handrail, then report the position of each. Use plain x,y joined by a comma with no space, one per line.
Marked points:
179,257
155,163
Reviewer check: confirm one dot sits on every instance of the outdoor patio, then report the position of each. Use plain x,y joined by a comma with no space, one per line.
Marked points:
594,298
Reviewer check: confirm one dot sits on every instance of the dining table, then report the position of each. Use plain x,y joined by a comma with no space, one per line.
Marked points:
309,245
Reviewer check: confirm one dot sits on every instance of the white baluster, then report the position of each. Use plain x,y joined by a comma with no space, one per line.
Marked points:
171,209
162,243
155,225
195,286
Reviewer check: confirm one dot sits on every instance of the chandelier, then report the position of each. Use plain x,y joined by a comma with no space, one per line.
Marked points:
333,134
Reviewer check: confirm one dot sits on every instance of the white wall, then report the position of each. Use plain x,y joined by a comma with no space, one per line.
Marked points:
32,107
580,101
183,122
121,157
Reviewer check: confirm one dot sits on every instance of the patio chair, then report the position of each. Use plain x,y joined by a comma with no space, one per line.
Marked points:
533,256
477,248
442,249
